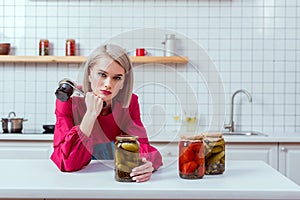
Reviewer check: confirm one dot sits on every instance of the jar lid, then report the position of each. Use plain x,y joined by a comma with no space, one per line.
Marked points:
212,134
192,137
127,138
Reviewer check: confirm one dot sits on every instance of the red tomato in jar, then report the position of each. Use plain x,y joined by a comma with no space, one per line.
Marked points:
187,156
189,167
201,170
196,146
200,159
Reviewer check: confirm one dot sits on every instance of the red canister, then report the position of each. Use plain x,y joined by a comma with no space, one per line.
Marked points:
70,47
44,47
140,52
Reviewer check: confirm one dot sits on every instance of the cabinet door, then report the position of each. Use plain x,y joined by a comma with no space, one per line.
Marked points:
289,161
168,150
266,152
25,150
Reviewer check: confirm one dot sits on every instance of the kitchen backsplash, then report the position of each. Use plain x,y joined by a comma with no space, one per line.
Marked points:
234,44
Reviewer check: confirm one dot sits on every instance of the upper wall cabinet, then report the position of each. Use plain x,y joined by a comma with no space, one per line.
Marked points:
81,59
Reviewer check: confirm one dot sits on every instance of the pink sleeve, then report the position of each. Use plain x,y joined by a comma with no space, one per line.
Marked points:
72,149
151,154
135,127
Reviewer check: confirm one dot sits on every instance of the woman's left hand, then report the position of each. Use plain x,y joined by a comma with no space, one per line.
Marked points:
143,172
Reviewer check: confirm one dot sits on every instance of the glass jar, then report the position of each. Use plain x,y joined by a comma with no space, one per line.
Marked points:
214,153
191,157
44,47
190,121
126,153
70,47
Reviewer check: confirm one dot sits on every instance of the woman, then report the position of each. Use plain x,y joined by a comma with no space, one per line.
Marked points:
85,125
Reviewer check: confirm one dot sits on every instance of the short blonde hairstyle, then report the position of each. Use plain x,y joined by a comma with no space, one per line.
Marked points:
119,55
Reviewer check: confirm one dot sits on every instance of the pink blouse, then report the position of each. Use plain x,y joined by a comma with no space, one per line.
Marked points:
73,149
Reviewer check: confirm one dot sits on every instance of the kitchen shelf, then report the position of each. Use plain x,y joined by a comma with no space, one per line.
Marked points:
80,59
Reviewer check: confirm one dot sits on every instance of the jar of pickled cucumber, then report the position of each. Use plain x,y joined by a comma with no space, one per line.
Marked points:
191,157
126,153
214,153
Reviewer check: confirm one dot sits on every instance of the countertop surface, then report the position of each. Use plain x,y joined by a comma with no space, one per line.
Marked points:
241,180
270,138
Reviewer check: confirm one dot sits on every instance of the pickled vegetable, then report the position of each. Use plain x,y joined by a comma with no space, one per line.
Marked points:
126,157
130,146
214,154
191,157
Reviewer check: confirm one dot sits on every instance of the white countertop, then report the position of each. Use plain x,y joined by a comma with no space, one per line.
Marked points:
271,138
26,136
241,180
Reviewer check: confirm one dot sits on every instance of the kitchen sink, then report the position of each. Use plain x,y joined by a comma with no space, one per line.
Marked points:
245,133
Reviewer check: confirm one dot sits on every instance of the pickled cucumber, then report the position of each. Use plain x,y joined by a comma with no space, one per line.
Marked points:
126,157
216,168
130,147
215,155
127,154
132,164
119,157
217,149
216,143
215,158
124,168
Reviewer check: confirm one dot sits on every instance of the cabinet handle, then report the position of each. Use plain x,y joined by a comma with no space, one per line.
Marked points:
283,149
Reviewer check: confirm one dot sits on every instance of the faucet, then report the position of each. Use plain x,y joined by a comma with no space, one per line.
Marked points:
230,125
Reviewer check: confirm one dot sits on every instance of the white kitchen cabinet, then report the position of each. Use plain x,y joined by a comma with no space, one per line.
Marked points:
168,150
266,152
289,160
25,149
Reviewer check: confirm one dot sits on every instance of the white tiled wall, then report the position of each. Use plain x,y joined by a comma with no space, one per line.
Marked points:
253,45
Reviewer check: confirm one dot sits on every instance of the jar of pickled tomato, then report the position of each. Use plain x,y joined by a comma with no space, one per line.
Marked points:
70,47
44,47
191,157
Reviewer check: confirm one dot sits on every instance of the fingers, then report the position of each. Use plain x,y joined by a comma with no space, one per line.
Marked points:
142,178
94,103
143,172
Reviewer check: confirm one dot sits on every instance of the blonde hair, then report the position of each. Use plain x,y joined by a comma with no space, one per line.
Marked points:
119,55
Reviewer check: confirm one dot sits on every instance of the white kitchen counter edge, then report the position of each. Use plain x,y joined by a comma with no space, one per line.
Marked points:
241,180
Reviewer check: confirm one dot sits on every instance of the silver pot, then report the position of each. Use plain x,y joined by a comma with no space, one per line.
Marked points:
12,124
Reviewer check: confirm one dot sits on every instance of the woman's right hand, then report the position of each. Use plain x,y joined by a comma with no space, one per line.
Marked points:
94,104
